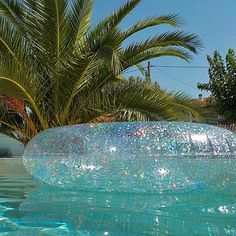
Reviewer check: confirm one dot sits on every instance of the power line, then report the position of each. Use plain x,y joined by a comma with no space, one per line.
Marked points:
184,67
126,72
173,77
169,75
169,66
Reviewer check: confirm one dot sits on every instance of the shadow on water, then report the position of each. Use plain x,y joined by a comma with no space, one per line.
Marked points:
30,208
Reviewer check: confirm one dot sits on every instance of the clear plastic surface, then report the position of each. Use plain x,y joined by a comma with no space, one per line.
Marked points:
145,157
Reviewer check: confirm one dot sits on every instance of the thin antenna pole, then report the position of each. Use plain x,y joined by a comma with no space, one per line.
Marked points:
149,69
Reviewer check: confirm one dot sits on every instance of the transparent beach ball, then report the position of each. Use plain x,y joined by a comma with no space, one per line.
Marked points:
133,157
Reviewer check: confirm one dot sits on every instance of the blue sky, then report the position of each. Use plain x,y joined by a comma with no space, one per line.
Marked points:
212,20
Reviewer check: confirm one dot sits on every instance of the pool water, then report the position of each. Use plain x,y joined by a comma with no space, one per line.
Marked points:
28,207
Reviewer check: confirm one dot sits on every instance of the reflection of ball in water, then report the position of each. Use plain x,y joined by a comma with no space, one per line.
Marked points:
139,156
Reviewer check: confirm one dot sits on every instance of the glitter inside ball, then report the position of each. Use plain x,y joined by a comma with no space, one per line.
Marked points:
133,157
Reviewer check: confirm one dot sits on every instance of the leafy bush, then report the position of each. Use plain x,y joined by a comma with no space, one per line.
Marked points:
222,83
5,153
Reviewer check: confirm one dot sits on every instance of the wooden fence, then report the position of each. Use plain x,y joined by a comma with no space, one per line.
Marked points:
231,127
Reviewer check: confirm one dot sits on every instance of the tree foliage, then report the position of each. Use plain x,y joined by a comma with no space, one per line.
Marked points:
67,71
222,83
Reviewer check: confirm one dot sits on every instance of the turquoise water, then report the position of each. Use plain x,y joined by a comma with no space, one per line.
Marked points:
28,207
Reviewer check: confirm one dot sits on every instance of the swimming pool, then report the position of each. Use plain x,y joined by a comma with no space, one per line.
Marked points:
28,207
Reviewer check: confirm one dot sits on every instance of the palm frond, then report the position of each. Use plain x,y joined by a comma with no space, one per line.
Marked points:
67,72
13,12
186,41
133,100
21,82
80,18
108,26
172,20
134,59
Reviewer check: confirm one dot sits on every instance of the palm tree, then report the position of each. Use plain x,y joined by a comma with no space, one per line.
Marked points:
66,71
